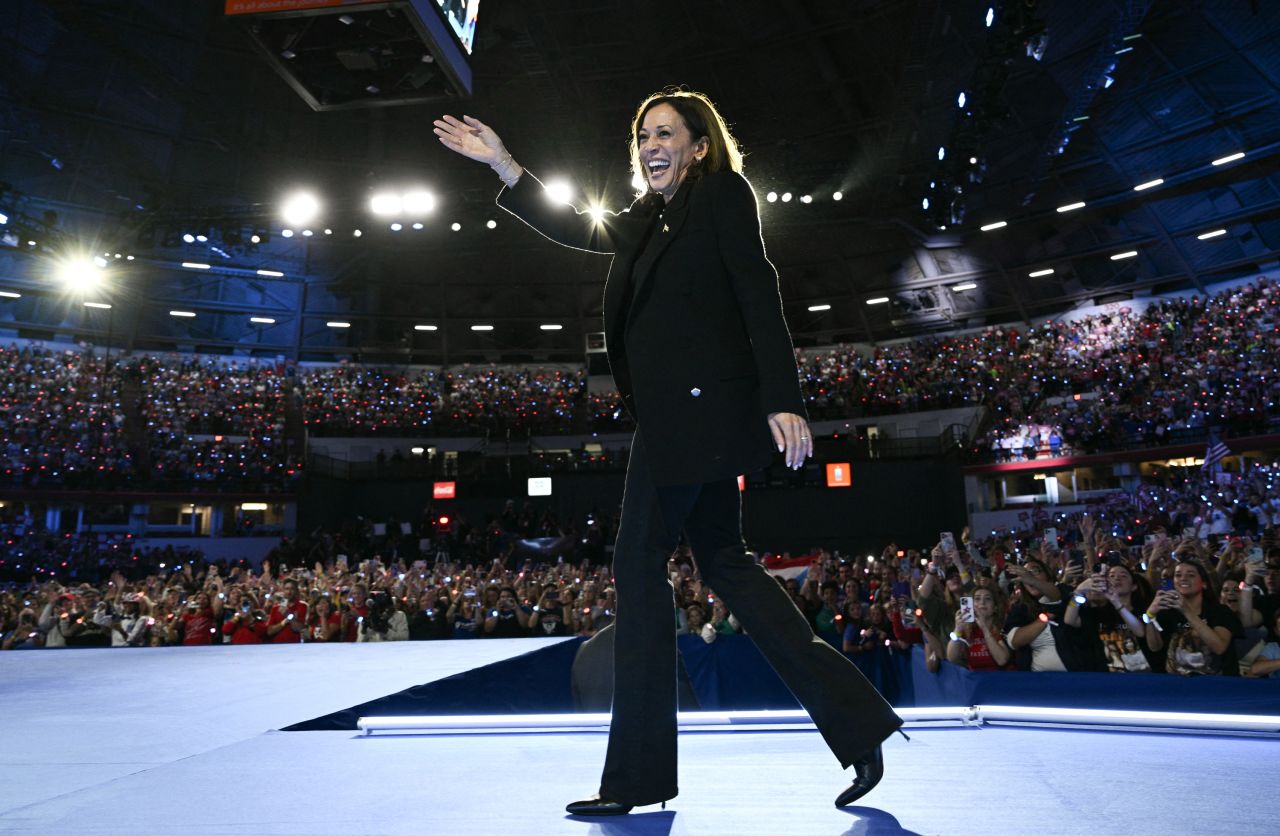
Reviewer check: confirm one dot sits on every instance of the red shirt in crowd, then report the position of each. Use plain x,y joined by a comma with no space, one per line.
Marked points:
287,635
980,658
198,627
245,630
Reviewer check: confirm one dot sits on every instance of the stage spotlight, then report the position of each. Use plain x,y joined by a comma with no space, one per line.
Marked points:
942,152
4,219
638,183
418,202
455,226
386,203
772,197
558,191
491,224
396,227
355,233
991,16
300,209
286,233
804,198
188,238
79,274
838,196
306,233
961,99
202,239
924,204
596,213
417,225
786,197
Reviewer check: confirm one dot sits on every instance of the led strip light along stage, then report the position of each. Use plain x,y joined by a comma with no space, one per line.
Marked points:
688,721
728,721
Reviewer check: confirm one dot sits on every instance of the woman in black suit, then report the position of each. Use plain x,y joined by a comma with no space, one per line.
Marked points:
703,359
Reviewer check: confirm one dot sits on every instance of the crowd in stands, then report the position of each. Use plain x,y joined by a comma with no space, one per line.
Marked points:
74,418
1180,577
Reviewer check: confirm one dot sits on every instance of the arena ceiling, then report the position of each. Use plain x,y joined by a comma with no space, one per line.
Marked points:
125,123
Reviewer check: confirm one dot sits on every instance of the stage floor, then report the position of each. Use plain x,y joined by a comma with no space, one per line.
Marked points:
181,741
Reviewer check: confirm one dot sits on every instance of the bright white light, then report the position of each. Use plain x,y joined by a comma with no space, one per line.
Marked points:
327,231
961,99
539,486
1124,255
195,265
1125,50
924,204
425,328
9,294
559,191
1038,273
1150,184
596,213
275,274
100,305
966,286
417,451
262,320
418,202
772,197
942,152
286,233
1071,207
203,239
417,225
996,225
183,314
838,196
455,226
338,324
397,226
879,300
481,327
551,327
491,224
638,182
817,308
188,238
973,161
1215,234
300,209
255,238
786,197
355,233
4,219
804,198
991,16
386,203
253,506
1230,158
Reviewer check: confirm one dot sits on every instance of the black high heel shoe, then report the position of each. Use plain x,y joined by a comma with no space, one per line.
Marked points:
868,771
597,806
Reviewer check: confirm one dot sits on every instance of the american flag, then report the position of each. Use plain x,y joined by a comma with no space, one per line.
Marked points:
1217,452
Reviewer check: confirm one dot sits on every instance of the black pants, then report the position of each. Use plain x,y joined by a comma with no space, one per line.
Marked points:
640,767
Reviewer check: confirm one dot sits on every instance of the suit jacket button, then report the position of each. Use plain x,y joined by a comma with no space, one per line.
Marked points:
695,391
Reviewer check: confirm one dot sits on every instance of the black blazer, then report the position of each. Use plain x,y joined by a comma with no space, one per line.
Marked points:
704,354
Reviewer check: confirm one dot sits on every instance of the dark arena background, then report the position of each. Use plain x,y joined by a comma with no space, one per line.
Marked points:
276,369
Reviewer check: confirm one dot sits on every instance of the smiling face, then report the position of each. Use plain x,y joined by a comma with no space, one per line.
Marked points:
1187,581
667,149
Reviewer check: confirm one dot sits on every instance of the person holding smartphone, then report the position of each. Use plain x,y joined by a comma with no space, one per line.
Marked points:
1193,629
978,643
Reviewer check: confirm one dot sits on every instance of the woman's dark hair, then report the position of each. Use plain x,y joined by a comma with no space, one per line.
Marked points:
1209,590
703,120
1142,595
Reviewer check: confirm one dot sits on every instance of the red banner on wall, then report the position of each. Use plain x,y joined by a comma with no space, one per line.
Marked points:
251,7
